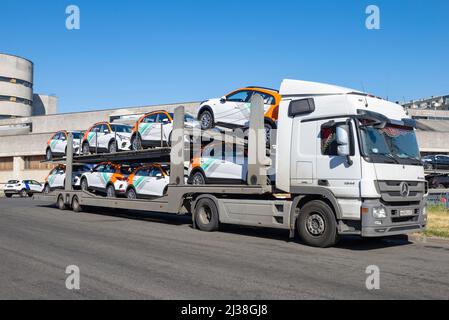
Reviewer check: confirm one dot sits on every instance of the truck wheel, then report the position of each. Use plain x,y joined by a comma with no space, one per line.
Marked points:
317,225
206,215
206,119
61,204
23,193
76,207
48,155
110,191
86,148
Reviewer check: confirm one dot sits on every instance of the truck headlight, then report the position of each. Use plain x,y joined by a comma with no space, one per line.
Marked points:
379,213
424,211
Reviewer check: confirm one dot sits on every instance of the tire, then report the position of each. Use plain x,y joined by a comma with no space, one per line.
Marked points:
47,189
429,166
84,185
268,127
198,179
112,147
206,119
61,204
136,143
8,195
30,195
206,215
76,207
23,193
48,155
131,194
110,191
316,225
86,148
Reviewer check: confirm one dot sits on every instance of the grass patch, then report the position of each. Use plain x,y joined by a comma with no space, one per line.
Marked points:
437,222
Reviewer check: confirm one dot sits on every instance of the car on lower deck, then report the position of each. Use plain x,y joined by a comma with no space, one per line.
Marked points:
438,181
147,181
23,188
220,163
154,129
105,137
56,177
57,145
107,178
436,162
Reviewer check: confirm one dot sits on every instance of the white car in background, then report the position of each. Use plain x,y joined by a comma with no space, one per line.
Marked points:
107,137
24,188
154,129
56,178
57,145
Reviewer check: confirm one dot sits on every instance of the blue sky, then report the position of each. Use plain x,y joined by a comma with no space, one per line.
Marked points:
140,52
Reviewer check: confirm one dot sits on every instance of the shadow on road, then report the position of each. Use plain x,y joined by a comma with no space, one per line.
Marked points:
346,242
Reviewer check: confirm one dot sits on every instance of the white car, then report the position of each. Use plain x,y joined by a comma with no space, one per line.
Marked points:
107,178
57,145
233,109
24,188
218,164
56,178
147,181
154,129
107,137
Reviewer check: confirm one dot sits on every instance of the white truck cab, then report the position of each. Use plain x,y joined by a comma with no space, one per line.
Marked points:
356,152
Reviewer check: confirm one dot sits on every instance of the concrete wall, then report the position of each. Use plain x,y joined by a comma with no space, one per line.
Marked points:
433,141
44,105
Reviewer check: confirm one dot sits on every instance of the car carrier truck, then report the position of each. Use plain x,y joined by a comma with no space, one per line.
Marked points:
347,163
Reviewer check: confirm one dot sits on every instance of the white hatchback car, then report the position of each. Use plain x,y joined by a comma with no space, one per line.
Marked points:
107,137
57,145
56,178
107,178
147,181
24,188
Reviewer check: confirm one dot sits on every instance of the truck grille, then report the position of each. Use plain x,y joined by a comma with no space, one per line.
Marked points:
393,191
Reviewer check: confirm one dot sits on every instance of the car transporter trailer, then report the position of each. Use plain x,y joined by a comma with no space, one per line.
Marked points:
252,204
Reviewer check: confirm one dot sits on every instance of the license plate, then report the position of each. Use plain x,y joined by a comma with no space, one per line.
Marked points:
406,212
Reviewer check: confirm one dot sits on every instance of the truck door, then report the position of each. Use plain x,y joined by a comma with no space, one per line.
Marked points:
334,171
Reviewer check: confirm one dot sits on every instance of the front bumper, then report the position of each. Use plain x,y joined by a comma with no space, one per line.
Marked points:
393,223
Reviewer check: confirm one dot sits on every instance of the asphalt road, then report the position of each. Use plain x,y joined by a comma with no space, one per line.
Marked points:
155,256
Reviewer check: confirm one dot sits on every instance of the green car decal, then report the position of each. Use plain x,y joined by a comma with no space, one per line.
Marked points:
144,128
207,163
90,136
53,144
138,183
105,178
51,179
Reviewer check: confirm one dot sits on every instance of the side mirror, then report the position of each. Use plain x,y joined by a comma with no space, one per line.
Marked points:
344,142
165,121
223,99
105,131
159,176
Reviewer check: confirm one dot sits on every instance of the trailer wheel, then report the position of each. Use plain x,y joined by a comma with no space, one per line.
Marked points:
317,225
206,215
61,204
76,207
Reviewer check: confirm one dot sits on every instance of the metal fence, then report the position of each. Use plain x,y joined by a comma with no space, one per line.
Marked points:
438,198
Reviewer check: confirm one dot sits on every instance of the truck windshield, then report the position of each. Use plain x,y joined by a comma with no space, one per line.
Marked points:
392,141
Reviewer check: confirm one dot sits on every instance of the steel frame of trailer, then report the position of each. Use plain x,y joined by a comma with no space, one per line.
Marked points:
250,205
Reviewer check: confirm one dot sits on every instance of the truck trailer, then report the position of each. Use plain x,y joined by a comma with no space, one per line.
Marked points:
346,163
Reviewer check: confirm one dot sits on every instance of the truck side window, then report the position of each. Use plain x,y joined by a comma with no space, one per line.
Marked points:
329,146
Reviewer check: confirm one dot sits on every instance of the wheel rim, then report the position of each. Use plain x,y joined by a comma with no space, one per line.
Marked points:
137,144
86,149
23,193
132,194
205,214
84,185
111,192
47,189
113,148
198,179
206,120
48,155
315,224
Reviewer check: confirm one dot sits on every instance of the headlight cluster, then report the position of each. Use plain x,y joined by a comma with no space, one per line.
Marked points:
379,213
424,211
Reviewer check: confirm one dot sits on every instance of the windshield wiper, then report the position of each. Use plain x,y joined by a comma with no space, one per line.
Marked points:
390,156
